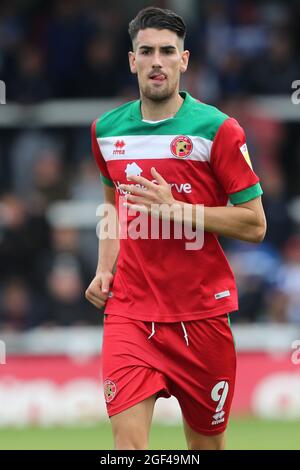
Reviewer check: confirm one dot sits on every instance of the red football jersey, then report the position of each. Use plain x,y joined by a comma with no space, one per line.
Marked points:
202,154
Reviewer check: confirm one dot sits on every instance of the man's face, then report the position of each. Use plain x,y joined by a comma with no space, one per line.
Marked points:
158,60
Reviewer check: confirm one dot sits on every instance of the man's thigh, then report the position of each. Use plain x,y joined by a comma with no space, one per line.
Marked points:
131,427
198,441
130,365
203,377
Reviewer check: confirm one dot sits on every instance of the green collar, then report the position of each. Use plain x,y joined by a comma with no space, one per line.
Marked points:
137,114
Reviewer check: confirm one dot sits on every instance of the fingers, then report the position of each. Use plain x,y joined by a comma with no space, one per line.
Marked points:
105,285
137,199
140,192
136,207
143,181
158,176
97,292
96,300
132,189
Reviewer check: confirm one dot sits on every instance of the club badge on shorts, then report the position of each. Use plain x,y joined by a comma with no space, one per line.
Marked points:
110,390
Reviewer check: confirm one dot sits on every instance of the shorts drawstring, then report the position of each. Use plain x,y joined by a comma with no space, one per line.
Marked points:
184,331
153,331
185,334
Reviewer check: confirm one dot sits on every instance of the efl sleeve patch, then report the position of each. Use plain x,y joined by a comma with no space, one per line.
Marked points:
245,153
230,160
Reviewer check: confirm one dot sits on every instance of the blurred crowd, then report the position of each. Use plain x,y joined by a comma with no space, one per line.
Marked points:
78,49
46,266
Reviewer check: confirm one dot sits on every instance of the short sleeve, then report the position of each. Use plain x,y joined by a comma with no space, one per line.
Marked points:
105,176
231,163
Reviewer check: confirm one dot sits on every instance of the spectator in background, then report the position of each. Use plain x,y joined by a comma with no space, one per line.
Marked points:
280,225
273,73
99,76
218,32
24,240
11,25
26,147
86,187
284,300
12,32
86,184
51,181
235,28
202,81
66,245
255,267
232,75
107,19
65,39
19,309
29,83
65,300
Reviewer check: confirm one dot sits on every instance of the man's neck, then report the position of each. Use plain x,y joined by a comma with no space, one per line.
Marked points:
156,111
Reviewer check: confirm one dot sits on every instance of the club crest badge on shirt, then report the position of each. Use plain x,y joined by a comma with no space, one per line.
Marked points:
181,146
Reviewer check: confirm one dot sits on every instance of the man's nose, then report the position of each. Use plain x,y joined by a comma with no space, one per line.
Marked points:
156,60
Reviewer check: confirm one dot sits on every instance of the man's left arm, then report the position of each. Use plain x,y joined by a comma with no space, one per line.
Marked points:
230,163
245,221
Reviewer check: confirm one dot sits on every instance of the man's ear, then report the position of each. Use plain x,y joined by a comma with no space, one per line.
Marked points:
132,65
184,61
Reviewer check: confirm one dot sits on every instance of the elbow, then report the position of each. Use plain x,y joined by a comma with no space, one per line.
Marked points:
258,233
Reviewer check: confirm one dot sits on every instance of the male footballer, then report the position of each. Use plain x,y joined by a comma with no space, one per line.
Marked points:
166,322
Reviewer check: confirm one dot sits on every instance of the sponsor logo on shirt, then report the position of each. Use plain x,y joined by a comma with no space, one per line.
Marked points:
181,146
179,187
132,169
119,147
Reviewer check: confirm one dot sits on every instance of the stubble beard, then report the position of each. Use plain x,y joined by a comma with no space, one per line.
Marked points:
157,95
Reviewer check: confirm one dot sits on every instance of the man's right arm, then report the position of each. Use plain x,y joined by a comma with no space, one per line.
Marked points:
97,292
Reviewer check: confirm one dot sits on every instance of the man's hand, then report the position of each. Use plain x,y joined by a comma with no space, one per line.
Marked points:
142,199
97,292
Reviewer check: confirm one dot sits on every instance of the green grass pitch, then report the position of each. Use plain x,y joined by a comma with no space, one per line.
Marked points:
246,433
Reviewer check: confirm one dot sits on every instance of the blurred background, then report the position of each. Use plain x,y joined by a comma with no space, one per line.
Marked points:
64,63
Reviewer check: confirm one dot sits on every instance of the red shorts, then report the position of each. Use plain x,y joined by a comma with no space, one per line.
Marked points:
194,361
